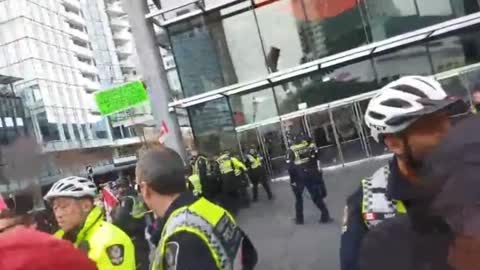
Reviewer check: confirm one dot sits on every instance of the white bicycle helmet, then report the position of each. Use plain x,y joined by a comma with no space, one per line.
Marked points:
73,186
402,102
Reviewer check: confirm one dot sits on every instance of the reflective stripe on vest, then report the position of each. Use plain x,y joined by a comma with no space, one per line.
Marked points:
225,164
196,167
212,224
96,236
194,180
302,152
238,166
138,208
376,206
255,162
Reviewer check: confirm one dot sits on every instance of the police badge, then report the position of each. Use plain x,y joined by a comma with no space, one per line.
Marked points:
116,254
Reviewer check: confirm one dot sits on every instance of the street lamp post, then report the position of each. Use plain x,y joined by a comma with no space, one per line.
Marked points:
153,71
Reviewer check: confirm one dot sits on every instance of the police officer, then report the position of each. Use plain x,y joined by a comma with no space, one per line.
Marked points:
302,159
257,173
83,224
234,184
193,182
201,168
131,216
410,117
196,234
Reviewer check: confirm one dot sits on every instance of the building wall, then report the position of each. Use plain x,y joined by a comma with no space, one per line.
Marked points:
302,31
37,45
65,51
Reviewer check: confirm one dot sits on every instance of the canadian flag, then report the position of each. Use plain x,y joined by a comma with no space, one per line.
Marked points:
163,132
110,201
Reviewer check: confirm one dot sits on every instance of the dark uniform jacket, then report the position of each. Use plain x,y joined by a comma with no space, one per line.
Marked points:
190,252
415,199
395,245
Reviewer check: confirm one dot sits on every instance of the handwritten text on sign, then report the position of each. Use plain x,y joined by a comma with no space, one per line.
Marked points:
121,98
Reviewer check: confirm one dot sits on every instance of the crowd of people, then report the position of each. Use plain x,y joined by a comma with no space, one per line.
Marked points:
421,211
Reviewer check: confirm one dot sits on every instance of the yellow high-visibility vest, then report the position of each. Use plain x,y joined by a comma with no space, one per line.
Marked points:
107,245
203,219
194,180
255,162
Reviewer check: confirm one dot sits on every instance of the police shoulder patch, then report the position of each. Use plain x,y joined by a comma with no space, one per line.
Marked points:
116,254
171,255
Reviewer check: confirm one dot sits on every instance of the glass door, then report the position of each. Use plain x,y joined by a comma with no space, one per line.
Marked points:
268,140
274,149
247,139
293,127
346,126
374,148
323,134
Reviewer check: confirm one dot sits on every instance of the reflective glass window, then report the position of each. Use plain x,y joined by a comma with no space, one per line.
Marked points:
412,60
253,107
280,29
219,49
325,86
454,59
213,127
328,26
66,132
455,51
100,129
387,18
48,130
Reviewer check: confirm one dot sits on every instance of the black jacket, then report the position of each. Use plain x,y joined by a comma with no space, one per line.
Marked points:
394,244
189,251
415,199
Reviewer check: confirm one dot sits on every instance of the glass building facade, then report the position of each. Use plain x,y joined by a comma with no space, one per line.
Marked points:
13,122
235,43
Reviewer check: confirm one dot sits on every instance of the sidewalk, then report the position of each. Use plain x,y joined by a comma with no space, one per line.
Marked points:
285,246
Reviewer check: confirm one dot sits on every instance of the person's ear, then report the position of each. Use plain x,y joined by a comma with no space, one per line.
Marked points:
394,144
145,190
86,205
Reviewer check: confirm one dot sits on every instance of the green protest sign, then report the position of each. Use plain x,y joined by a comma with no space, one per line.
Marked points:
121,98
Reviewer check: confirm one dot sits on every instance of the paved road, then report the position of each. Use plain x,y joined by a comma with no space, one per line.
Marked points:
285,246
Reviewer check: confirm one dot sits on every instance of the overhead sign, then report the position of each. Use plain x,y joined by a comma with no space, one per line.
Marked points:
121,98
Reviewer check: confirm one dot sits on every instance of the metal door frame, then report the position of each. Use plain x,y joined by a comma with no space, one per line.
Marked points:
261,138
327,107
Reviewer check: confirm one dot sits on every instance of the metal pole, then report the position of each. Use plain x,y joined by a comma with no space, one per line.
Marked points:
153,71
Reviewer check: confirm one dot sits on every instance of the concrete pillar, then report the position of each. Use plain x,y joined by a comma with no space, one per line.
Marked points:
153,71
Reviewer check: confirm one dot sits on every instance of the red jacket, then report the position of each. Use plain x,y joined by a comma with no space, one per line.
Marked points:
27,249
